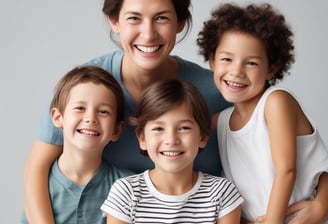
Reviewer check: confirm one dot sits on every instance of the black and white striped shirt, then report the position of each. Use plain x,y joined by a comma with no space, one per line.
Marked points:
134,199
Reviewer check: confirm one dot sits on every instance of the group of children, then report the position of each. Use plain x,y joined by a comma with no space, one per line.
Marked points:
271,151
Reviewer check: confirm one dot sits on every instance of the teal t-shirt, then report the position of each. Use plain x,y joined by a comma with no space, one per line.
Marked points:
125,152
72,203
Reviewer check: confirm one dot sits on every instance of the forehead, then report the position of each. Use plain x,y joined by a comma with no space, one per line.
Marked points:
182,111
90,90
237,41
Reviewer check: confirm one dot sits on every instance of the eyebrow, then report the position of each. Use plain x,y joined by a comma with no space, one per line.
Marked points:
251,56
101,104
159,13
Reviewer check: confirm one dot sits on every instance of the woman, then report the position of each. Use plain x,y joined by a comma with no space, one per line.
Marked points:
147,30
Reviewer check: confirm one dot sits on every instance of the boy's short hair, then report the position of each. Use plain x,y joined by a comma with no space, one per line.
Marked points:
84,74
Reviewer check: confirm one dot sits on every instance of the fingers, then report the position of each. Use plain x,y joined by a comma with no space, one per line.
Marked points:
295,207
260,219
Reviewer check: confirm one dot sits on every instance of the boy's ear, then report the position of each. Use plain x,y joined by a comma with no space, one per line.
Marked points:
142,141
56,117
118,131
203,141
211,60
113,24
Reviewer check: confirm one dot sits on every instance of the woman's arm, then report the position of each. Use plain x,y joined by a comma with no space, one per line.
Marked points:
312,211
37,201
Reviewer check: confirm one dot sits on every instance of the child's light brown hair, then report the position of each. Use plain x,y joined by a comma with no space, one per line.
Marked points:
86,74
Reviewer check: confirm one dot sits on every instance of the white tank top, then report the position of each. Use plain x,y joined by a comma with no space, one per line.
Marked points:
246,159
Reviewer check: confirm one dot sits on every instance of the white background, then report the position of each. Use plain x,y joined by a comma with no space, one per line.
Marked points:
40,40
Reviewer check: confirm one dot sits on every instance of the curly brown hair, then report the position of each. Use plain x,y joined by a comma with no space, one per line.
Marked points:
261,21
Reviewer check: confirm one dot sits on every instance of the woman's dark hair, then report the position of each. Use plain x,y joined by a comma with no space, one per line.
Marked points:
112,8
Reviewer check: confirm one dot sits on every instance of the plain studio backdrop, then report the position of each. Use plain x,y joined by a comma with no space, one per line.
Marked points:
41,40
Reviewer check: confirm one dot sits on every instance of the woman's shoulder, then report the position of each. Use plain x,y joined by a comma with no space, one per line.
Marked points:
110,61
201,77
187,66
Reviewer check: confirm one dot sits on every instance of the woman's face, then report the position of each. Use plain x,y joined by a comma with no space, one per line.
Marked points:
147,30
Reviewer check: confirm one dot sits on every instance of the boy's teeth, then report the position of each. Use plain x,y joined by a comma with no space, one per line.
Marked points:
88,132
234,84
171,153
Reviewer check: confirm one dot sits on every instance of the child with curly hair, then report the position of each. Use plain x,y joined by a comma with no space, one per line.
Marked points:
269,147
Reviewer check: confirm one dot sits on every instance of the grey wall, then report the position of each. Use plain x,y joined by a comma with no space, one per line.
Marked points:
41,40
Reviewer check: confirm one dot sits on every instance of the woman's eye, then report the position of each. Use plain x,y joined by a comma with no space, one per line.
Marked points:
132,19
162,19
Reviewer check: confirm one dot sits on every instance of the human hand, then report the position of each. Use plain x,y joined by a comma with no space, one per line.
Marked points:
260,220
305,212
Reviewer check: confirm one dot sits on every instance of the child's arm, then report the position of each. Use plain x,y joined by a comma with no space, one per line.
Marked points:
232,217
281,117
113,220
312,211
37,201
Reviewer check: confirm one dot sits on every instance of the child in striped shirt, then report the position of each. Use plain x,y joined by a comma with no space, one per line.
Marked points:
172,126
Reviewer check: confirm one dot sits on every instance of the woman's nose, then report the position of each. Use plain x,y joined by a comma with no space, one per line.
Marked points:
148,30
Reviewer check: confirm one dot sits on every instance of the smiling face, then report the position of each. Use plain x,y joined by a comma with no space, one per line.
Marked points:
240,67
172,140
89,118
147,30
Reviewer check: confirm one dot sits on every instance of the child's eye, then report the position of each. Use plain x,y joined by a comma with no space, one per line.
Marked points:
184,128
103,112
226,59
157,129
252,63
79,108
